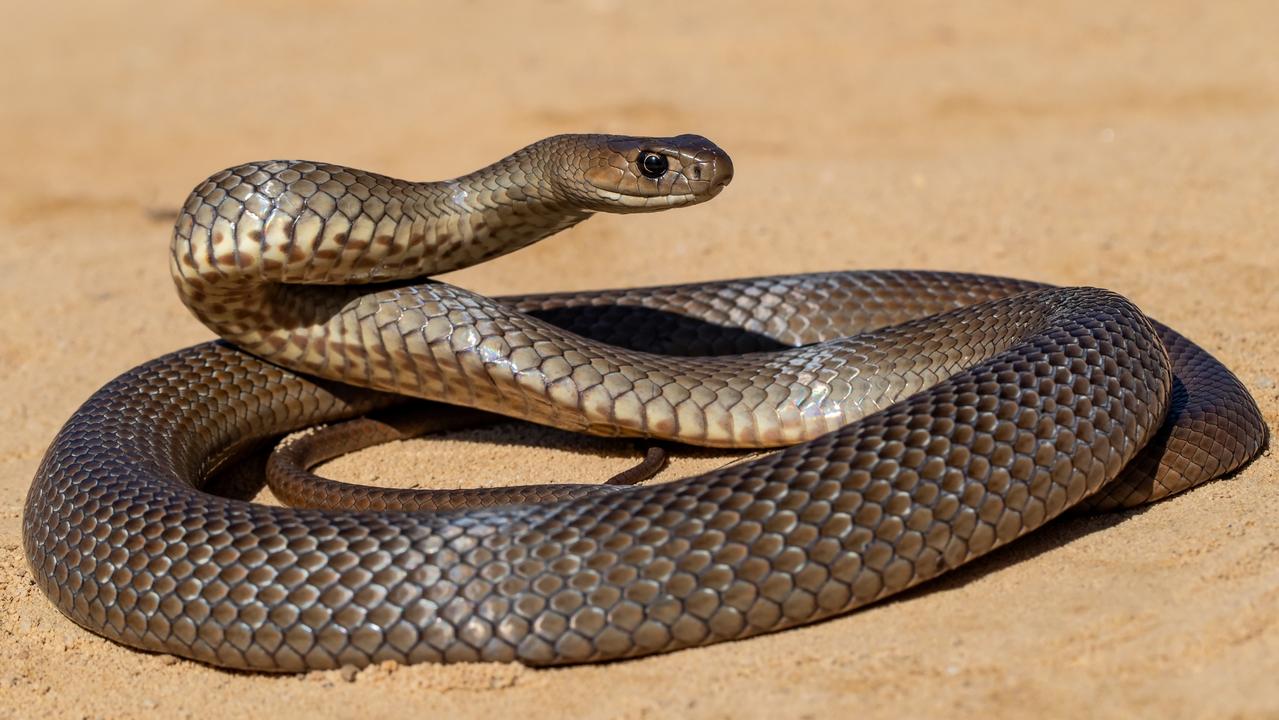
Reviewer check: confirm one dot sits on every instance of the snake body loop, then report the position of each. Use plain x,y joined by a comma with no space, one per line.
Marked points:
928,418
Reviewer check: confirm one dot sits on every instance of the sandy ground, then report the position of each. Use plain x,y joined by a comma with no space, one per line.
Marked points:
1132,146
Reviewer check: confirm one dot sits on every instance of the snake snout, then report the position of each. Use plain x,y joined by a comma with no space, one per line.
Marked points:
721,173
707,168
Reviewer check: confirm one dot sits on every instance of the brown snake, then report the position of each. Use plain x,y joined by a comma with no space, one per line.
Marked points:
929,418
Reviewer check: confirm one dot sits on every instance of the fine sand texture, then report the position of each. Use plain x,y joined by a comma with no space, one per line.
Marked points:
1133,146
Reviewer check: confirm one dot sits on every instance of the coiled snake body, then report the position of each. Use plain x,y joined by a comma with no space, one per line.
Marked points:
929,418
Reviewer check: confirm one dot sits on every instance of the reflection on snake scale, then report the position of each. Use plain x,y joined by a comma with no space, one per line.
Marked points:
923,418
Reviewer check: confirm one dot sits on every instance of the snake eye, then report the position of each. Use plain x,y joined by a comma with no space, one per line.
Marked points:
653,165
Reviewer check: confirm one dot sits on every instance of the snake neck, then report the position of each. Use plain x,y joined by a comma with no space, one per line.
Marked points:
250,239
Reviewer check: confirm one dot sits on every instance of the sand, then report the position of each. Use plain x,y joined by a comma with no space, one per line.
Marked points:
1126,145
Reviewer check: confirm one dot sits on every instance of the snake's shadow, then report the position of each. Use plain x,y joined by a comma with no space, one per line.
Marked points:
1053,536
1073,525
657,331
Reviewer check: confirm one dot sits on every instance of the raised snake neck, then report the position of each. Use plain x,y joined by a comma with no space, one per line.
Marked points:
991,406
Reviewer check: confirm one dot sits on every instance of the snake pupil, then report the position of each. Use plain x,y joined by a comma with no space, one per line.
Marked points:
653,165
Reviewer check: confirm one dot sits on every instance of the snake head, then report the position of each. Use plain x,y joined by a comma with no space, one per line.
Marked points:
622,174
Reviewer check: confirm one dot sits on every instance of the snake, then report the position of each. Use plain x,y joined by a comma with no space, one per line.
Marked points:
913,421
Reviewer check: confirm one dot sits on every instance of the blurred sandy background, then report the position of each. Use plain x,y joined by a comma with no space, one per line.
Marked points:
1128,145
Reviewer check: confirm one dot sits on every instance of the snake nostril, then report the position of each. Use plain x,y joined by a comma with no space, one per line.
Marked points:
697,172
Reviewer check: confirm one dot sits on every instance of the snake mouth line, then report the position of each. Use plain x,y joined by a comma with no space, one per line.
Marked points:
662,201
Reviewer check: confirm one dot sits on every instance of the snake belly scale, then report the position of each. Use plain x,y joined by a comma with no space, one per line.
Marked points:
924,419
